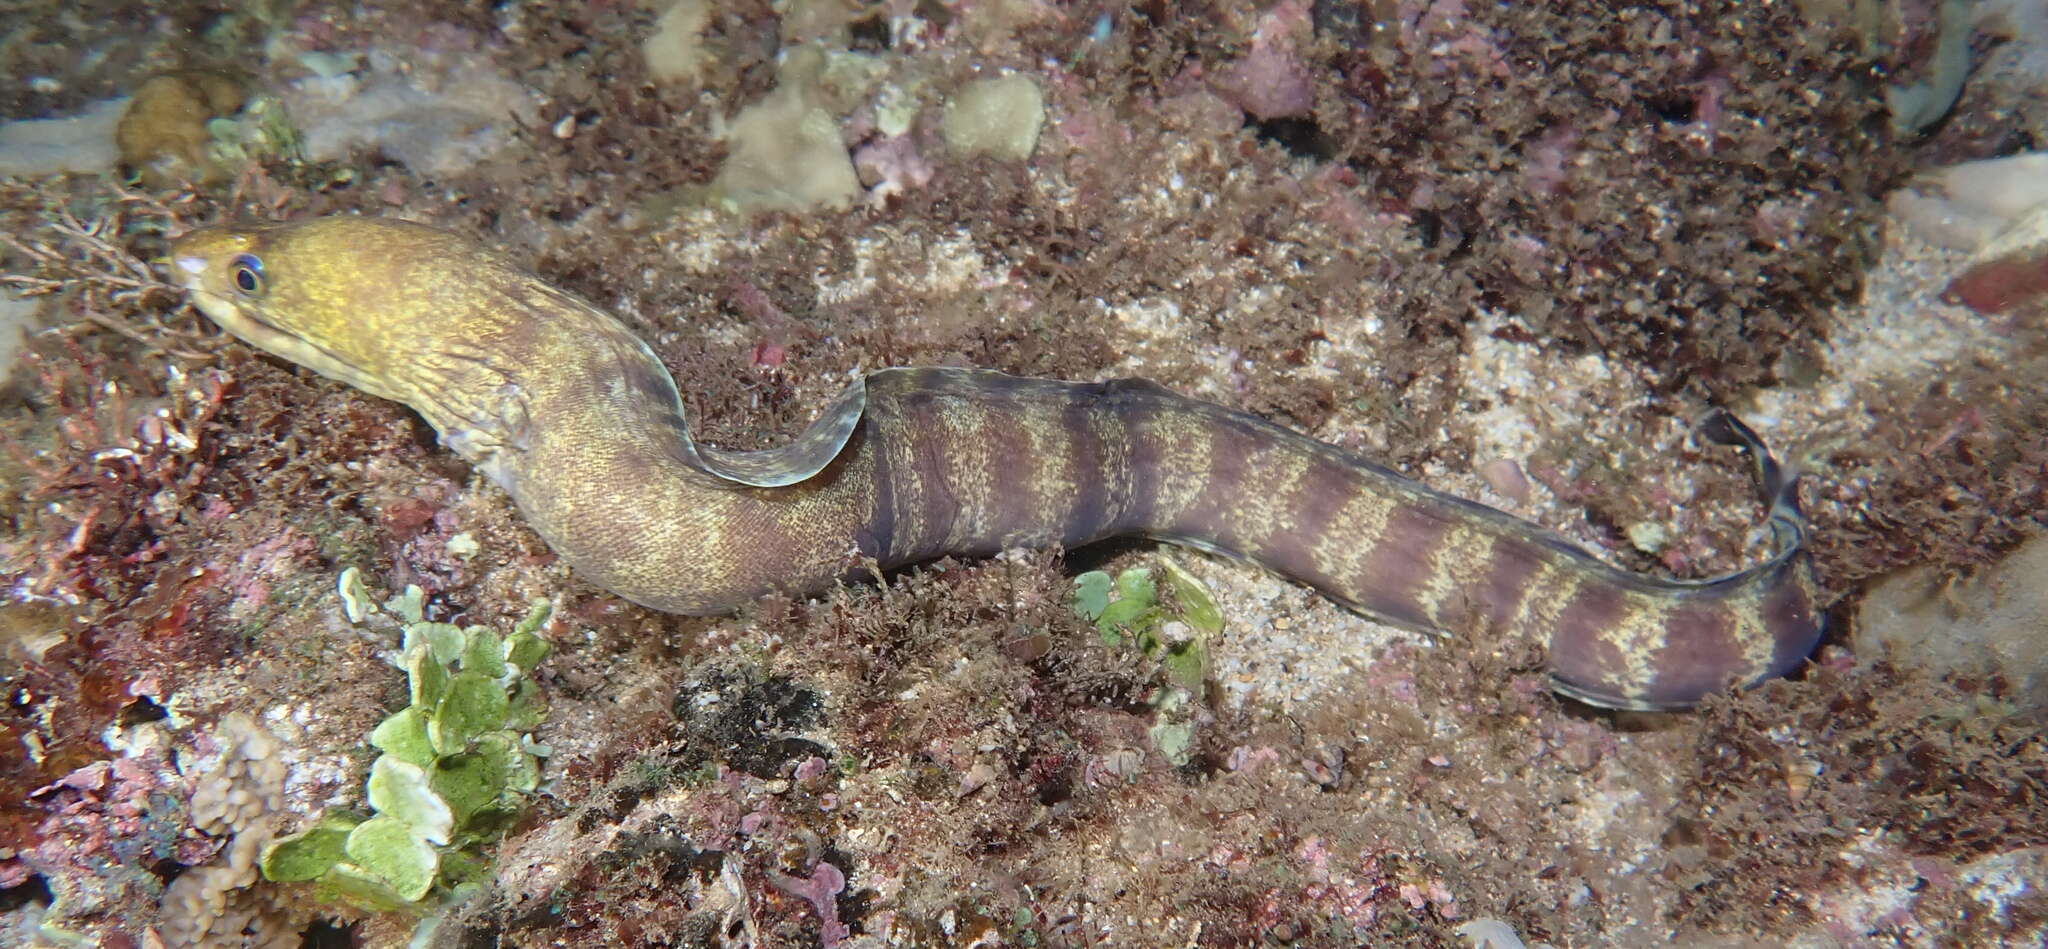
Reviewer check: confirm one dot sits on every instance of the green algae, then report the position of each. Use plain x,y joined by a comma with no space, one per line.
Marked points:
456,765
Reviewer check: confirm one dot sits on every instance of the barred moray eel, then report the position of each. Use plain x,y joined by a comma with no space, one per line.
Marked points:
560,405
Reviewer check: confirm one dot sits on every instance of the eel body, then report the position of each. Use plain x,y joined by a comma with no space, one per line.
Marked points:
563,407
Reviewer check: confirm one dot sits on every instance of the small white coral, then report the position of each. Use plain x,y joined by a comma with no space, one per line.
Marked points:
214,907
247,782
239,796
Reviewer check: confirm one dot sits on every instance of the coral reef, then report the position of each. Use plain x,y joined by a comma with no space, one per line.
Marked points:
1508,248
1510,175
785,149
1964,206
81,143
437,113
996,118
115,827
108,825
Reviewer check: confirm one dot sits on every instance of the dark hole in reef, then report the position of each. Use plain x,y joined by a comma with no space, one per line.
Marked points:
1056,788
1199,769
768,759
33,890
749,721
935,12
1429,229
543,915
784,704
166,870
1677,108
745,700
1683,832
1153,11
870,35
328,934
379,161
1463,248
1097,556
143,709
1302,138
1444,234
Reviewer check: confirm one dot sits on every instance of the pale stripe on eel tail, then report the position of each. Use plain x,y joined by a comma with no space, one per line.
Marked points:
560,405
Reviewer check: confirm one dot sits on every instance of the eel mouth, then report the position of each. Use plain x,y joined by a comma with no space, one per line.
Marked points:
190,272
246,325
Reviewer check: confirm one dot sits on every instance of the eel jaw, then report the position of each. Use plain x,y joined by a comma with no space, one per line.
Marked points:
190,272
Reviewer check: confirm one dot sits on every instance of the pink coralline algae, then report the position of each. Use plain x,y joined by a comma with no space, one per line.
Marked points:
1271,82
109,822
1353,895
1448,29
821,889
250,575
1547,163
1090,127
1505,477
2000,285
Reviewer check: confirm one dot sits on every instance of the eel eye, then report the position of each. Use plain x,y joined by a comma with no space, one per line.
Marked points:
248,274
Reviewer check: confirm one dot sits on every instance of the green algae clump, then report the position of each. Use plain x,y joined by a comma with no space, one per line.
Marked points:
1177,631
456,767
1128,611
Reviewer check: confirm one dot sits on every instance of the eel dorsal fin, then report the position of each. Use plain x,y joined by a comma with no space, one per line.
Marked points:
799,459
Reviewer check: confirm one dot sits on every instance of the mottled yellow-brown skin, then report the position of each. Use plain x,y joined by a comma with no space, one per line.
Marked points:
573,416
